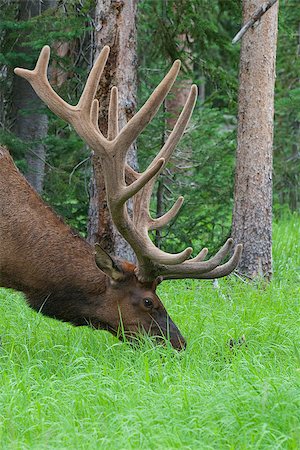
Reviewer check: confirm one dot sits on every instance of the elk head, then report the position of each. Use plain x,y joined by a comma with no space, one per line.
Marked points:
130,289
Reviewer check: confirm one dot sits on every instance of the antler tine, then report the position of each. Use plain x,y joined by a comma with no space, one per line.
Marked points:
142,180
41,66
217,258
227,268
82,116
201,256
200,267
160,222
89,91
113,115
141,119
39,81
95,114
191,270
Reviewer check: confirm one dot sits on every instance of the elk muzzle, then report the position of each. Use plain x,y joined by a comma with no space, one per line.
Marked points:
172,334
162,331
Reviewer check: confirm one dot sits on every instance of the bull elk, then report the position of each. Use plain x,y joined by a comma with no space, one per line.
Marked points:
62,275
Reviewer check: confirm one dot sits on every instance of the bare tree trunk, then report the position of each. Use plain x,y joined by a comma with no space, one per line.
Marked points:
115,22
58,75
173,106
160,189
31,124
252,215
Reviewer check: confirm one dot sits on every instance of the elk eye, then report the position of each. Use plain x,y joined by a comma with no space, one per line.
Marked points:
148,303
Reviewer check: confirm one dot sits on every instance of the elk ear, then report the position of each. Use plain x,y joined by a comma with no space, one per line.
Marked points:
157,281
108,264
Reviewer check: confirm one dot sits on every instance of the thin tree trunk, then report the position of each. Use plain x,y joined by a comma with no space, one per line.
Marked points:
115,26
31,124
58,75
173,105
252,215
160,188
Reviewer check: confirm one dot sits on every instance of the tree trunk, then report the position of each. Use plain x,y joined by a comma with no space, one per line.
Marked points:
173,106
160,210
115,26
31,124
252,215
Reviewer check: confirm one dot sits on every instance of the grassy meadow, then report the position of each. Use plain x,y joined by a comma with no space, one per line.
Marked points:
67,388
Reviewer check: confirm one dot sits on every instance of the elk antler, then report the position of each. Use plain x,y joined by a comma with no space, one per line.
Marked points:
112,152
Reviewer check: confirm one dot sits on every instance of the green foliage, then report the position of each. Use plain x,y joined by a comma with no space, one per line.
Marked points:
65,387
68,173
287,107
199,33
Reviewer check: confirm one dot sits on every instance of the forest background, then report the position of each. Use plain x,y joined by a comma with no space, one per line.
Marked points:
237,384
199,32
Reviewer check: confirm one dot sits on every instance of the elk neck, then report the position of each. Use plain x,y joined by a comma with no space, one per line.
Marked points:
41,256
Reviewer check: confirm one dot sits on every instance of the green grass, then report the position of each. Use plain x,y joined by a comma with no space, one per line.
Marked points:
68,388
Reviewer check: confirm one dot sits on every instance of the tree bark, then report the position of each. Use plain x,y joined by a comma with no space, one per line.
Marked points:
115,22
252,215
31,123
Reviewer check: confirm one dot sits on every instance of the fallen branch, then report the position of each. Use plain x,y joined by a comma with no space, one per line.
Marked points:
254,18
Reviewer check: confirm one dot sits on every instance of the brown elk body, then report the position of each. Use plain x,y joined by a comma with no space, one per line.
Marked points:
62,275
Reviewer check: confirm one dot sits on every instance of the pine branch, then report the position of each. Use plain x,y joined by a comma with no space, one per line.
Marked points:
254,18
